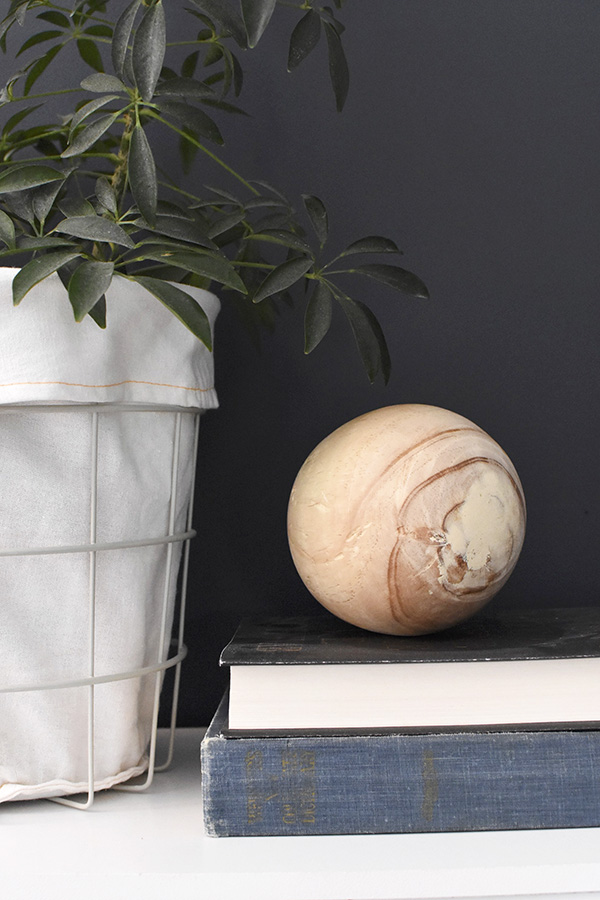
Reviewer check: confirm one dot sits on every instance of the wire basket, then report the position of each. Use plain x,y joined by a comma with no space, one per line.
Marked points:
172,434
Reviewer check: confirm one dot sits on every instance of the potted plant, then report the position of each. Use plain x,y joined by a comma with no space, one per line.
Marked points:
92,233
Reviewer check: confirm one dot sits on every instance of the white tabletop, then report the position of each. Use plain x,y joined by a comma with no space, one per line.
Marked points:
151,845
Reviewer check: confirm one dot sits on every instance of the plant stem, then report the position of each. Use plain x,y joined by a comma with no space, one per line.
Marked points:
213,156
68,11
178,190
58,158
252,265
194,43
45,94
118,180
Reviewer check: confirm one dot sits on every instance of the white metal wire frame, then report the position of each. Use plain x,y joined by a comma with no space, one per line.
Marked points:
171,652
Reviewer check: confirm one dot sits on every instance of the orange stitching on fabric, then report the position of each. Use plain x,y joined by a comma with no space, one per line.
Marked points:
180,387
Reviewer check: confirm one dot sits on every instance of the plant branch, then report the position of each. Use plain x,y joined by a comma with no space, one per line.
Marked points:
118,180
151,114
43,95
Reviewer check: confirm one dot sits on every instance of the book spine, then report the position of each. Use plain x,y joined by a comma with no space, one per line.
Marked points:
400,783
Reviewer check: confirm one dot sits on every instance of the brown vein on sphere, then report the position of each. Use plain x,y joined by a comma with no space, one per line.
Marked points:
426,442
354,515
395,600
455,468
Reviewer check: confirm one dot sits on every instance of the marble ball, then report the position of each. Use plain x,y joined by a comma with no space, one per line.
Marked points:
406,520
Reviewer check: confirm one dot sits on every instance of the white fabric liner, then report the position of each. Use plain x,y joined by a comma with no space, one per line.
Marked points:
144,356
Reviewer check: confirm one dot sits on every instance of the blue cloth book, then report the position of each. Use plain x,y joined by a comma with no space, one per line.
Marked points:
398,782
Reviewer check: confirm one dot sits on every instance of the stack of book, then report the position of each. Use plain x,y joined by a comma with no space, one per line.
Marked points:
330,729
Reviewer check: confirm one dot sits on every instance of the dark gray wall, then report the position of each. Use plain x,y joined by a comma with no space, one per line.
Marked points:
471,136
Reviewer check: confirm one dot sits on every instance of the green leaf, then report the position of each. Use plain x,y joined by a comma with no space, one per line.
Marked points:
318,316
273,190
38,269
369,337
47,242
7,230
304,38
170,208
95,228
99,31
182,305
184,87
141,171
274,221
90,107
55,18
214,267
148,52
100,83
181,230
225,223
188,151
318,216
40,67
238,74
5,25
88,283
394,277
98,312
338,66
192,119
106,195
223,195
282,277
24,177
121,36
225,107
90,54
88,136
21,10
327,16
270,202
18,117
213,55
227,17
207,33
257,15
227,72
43,198
230,236
283,238
373,244
190,64
38,38
75,206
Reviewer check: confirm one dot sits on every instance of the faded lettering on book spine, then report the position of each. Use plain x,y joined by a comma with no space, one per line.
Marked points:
299,791
254,790
430,786
293,787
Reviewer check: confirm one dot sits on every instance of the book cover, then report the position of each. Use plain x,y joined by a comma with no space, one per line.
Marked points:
499,634
398,782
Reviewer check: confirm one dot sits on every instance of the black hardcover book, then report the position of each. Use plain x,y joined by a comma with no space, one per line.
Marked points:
506,667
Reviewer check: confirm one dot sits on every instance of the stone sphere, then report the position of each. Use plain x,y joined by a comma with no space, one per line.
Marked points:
406,520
